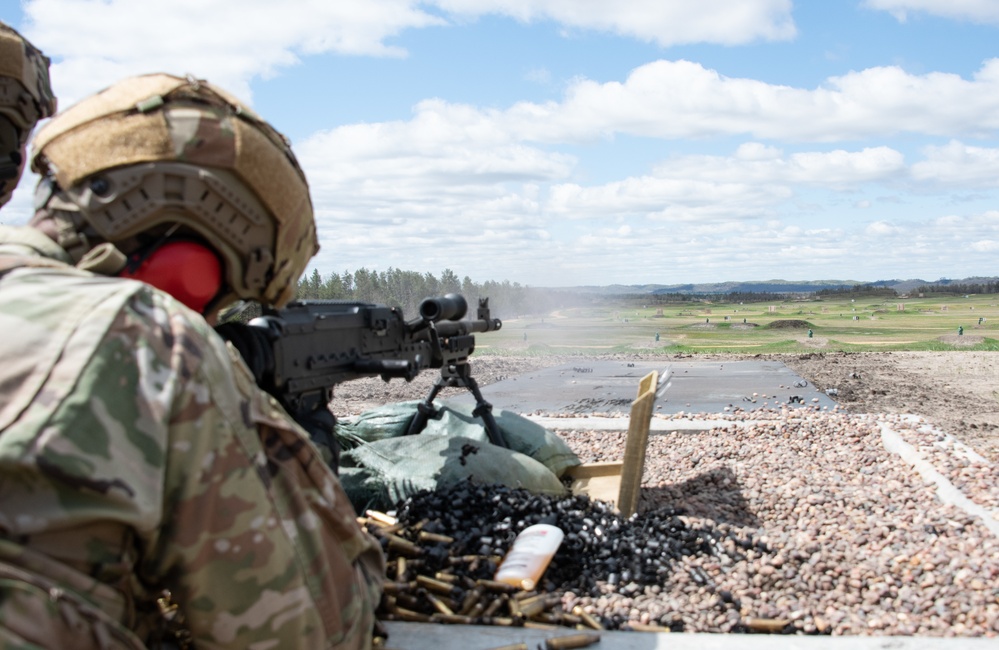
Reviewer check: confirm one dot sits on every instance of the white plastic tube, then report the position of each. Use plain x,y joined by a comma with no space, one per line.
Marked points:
529,556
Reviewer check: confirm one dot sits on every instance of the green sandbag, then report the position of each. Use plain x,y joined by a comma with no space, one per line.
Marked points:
521,434
384,466
388,421
527,437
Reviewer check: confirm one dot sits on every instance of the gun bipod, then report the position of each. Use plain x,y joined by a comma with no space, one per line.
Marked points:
483,409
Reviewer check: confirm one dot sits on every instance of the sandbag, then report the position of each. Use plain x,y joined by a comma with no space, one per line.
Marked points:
380,465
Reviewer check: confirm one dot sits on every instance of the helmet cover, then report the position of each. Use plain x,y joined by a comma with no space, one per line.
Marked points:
160,151
25,98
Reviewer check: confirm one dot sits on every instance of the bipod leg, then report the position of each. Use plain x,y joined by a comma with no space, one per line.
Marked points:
484,411
425,409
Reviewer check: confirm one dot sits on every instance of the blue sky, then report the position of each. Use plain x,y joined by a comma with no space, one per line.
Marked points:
569,142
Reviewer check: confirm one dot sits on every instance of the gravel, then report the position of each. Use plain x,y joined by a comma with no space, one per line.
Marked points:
799,521
853,540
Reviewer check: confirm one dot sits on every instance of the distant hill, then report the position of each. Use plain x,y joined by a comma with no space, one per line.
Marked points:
765,286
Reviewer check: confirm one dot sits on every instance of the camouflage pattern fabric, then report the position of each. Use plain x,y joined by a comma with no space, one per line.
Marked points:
25,98
137,456
25,65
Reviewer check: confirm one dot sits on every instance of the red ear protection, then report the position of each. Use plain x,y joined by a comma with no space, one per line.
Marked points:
186,270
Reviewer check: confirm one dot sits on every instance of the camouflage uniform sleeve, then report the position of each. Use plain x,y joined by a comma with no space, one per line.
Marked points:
257,541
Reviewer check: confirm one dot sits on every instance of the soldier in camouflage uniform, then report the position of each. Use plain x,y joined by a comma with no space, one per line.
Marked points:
25,98
150,493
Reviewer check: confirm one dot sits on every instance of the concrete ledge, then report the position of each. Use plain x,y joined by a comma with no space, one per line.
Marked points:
433,636
596,423
947,492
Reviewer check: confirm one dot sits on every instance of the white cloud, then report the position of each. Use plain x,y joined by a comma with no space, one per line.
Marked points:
836,169
757,151
882,228
982,11
697,252
436,154
229,42
727,22
958,164
492,192
985,246
397,187
97,42
393,191
682,99
665,198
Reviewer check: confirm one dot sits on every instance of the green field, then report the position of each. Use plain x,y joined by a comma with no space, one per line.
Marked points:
930,323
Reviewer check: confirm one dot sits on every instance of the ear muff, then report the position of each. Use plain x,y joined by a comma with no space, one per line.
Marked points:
188,271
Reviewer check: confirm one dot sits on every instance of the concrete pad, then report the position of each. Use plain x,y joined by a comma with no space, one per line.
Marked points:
598,386
620,423
433,636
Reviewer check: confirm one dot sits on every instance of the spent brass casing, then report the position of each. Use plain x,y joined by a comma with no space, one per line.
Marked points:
559,618
496,585
390,530
407,600
641,627
766,624
396,588
437,586
409,615
403,546
401,568
455,619
587,618
424,536
531,607
494,606
438,604
535,625
381,517
472,598
449,578
580,640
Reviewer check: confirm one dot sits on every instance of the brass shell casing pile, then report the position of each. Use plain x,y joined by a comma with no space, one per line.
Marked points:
442,590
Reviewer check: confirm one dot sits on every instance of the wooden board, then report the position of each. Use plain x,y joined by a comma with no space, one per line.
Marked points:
599,481
620,482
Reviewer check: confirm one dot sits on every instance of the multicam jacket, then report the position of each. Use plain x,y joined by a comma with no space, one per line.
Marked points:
139,462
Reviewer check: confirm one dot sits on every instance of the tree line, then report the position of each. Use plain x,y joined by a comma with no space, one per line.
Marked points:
407,289
961,289
858,291
728,297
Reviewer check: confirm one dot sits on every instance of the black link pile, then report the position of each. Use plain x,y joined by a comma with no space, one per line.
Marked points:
602,553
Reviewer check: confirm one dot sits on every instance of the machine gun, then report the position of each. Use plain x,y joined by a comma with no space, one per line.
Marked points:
301,352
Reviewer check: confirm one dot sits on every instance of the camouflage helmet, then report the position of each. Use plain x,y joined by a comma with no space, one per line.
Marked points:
25,98
159,152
